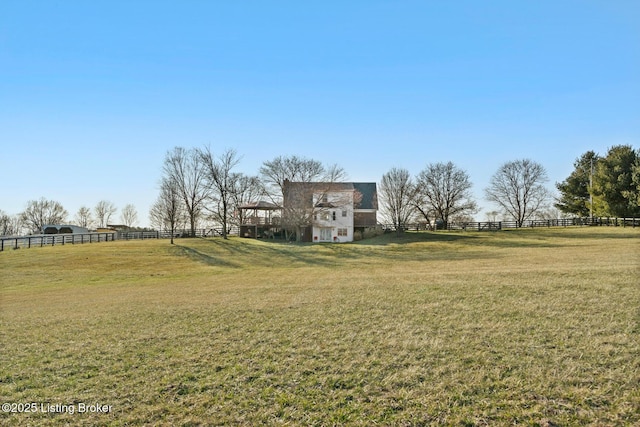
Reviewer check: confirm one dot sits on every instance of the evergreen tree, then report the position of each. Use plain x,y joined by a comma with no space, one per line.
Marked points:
634,194
614,181
575,191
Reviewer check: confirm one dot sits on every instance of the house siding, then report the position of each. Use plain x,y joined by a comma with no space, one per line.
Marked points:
330,217
365,219
320,200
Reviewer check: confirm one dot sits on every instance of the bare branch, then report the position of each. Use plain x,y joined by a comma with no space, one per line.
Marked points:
185,170
517,187
445,190
398,198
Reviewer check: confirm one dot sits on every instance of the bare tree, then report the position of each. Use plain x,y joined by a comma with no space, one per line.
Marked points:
445,190
492,216
312,203
281,172
184,168
245,189
548,213
517,187
104,210
398,198
334,173
298,205
42,212
294,169
83,217
5,223
221,183
10,225
129,215
167,211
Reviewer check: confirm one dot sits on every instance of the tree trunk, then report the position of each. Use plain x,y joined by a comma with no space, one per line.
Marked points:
193,226
224,220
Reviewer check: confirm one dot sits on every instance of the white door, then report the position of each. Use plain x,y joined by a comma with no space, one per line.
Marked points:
325,234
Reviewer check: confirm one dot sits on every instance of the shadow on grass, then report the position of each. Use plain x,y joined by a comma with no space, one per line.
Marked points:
410,246
202,257
290,254
580,233
218,252
414,237
469,238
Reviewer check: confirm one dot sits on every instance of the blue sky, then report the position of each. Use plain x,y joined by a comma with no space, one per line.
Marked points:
94,93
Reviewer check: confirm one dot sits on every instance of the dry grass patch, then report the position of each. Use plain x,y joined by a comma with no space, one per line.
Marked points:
533,327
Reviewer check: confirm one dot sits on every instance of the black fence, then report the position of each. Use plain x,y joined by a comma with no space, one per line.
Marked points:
536,223
40,240
199,232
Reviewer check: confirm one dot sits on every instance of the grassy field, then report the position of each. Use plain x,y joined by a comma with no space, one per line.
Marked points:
528,327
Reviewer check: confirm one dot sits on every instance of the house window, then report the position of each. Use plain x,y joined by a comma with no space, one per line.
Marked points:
344,213
325,198
342,232
334,215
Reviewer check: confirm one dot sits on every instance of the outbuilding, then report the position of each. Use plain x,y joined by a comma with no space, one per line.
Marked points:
63,229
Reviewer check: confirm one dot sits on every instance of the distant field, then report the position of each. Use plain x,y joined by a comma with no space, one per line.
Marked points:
527,327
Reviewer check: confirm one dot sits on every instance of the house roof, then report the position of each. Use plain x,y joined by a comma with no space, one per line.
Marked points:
368,190
369,195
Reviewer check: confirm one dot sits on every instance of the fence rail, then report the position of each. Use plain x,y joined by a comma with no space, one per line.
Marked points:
200,232
40,240
17,242
501,225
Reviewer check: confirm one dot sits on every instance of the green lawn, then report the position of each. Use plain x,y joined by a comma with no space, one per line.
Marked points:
528,327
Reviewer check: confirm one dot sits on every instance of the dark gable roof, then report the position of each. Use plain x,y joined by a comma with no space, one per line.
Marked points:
369,195
366,189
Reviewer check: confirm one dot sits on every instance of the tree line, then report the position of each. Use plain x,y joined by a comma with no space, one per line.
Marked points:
41,212
198,186
600,186
441,193
606,185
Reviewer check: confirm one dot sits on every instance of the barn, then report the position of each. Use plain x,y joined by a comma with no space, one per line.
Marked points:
63,229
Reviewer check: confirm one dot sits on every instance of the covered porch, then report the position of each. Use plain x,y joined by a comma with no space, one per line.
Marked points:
260,220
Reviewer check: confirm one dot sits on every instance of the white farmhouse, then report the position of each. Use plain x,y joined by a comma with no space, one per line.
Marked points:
333,215
330,212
